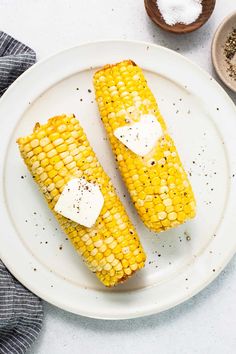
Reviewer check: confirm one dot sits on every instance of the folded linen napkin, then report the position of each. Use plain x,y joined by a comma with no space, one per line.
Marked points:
21,312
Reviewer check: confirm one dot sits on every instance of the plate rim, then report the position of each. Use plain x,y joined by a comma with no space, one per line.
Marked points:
155,309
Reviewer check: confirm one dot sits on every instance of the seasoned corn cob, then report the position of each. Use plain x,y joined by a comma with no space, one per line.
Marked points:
58,152
157,182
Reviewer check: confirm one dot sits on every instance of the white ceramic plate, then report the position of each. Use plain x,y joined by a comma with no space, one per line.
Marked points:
181,262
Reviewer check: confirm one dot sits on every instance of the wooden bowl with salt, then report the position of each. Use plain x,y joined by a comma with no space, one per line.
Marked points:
179,28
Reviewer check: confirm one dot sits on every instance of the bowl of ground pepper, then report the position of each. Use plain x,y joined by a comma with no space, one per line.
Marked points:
224,51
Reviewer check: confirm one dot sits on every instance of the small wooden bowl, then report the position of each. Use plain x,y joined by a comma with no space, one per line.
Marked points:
217,50
155,15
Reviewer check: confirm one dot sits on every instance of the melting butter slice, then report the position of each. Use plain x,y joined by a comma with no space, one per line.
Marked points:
80,201
140,137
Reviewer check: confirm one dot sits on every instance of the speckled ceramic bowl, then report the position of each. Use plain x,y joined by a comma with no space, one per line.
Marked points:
218,57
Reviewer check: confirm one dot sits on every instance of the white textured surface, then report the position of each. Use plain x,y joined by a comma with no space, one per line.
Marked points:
206,323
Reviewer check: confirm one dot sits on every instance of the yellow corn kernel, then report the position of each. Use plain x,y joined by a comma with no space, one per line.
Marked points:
156,181
101,246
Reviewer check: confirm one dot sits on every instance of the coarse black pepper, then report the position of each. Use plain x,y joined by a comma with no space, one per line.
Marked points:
229,53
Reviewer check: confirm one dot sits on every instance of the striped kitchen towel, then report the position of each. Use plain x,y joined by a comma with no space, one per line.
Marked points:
21,312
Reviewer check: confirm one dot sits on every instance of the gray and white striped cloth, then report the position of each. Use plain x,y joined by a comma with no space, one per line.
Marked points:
21,312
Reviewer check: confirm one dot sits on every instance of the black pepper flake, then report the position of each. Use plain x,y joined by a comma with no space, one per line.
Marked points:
77,89
46,242
26,220
229,52
81,99
60,248
35,269
22,177
213,270
89,91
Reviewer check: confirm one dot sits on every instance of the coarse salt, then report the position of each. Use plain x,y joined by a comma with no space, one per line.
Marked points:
180,11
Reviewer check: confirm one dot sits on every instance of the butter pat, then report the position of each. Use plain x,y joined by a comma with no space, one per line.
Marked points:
140,137
80,201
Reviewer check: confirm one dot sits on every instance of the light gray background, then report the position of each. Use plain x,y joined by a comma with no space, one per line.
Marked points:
207,322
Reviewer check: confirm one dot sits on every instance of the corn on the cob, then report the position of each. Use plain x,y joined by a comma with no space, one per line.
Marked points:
56,153
157,182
